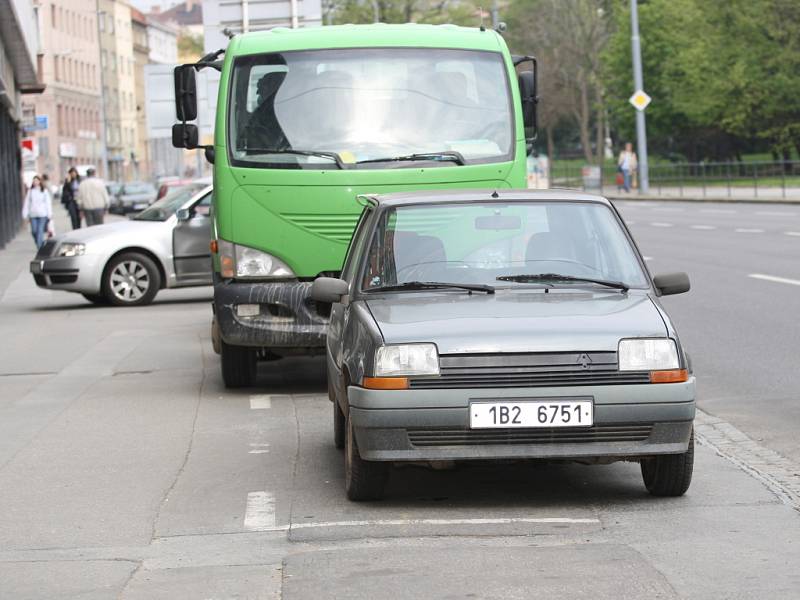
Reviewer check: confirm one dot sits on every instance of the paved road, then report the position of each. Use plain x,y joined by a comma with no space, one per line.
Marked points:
127,471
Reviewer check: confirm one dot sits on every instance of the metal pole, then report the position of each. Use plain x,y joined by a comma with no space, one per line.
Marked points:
103,131
376,9
495,14
294,19
638,83
245,16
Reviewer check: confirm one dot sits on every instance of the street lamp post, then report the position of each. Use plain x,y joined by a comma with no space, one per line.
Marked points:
103,132
638,83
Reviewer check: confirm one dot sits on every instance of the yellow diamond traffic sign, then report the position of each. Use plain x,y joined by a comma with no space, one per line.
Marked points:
640,100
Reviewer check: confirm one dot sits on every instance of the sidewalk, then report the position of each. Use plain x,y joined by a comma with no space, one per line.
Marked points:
772,195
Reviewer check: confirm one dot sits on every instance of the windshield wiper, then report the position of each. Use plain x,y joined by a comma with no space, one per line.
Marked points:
324,154
446,155
556,277
434,285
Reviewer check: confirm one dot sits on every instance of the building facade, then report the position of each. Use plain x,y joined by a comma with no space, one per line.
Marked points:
162,40
19,48
141,56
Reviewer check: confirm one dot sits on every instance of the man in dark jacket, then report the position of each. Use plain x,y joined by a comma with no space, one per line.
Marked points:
69,194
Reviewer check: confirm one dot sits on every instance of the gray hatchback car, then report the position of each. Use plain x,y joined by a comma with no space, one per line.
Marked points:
504,325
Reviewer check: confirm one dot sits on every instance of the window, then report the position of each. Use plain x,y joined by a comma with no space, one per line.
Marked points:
60,124
56,68
53,20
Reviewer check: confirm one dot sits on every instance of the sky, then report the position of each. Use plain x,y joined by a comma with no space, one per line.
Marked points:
146,5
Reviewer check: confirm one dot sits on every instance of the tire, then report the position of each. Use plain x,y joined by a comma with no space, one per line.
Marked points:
238,365
669,474
98,299
364,479
131,279
339,422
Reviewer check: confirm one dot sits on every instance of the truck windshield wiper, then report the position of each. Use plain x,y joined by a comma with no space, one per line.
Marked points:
434,285
331,155
556,277
446,155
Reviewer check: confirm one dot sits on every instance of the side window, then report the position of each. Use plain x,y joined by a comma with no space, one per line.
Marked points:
203,208
356,244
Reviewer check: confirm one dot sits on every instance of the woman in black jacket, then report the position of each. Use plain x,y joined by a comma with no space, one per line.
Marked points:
69,195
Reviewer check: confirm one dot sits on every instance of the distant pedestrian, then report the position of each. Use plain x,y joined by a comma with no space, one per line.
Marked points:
627,163
92,199
38,209
69,197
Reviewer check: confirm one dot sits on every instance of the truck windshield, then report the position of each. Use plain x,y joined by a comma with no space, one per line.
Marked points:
367,105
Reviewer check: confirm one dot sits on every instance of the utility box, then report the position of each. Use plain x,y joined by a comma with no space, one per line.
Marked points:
592,178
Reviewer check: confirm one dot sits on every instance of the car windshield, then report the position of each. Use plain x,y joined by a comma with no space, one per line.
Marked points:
490,243
370,104
163,209
138,188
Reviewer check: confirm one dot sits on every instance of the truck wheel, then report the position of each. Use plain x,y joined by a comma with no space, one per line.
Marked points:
238,365
363,479
131,279
669,474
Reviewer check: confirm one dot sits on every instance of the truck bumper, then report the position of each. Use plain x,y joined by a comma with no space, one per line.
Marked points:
270,315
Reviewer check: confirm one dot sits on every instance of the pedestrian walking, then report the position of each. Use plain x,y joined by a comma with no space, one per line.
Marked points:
69,197
38,209
93,199
627,163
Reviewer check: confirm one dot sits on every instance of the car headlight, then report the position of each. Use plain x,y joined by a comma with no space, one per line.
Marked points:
645,354
71,249
406,360
244,262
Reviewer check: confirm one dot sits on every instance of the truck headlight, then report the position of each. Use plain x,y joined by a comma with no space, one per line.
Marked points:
248,263
71,249
647,354
406,360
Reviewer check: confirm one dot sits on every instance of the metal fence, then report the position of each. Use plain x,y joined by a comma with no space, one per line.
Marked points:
766,179
10,181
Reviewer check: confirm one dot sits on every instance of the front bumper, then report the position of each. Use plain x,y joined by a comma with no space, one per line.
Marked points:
69,273
288,318
630,421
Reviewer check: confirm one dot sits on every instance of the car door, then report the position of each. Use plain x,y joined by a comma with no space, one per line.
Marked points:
191,249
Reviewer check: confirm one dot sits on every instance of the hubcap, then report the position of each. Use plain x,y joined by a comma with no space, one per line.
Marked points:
130,281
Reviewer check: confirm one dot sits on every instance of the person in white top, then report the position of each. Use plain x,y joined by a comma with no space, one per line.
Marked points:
38,209
627,163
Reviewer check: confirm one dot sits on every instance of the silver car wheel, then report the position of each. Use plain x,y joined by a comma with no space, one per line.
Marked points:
129,281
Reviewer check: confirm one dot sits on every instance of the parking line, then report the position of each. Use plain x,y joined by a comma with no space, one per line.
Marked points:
718,211
774,278
702,227
794,233
260,512
748,230
668,209
260,401
401,522
775,213
658,224
630,222
259,449
647,257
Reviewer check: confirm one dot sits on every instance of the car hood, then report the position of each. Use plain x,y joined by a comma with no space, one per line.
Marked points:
517,321
140,229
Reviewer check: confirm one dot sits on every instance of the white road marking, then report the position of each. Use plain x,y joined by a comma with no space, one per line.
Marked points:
669,209
748,230
658,224
794,233
776,213
260,401
703,227
719,211
647,257
260,512
401,522
774,278
630,222
259,449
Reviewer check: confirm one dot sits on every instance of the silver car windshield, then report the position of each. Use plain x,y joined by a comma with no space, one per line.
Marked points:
166,207
369,104
488,243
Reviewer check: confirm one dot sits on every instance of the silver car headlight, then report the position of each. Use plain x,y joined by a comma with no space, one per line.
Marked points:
406,360
647,354
248,263
71,249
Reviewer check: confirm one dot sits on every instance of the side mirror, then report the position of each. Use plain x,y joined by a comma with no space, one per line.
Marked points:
328,289
527,93
185,135
672,283
185,93
183,214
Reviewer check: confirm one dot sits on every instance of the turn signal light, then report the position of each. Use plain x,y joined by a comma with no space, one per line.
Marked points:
385,383
670,376
214,246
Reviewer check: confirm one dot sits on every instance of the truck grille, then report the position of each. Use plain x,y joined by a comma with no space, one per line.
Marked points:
529,370
484,437
334,227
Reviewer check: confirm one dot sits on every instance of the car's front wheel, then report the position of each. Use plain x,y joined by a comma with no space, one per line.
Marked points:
363,479
131,279
669,474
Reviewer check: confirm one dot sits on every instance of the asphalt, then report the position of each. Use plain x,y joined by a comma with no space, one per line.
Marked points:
128,471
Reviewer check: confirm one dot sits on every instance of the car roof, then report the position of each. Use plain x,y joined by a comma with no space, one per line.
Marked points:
484,195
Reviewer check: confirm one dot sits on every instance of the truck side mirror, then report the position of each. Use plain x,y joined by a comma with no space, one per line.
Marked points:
527,93
185,135
329,289
185,93
672,283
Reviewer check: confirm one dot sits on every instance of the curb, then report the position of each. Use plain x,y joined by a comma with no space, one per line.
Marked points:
724,199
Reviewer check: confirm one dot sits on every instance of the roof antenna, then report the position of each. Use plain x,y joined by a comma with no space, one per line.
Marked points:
483,27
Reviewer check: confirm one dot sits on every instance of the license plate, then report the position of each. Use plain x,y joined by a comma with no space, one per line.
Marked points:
36,267
529,413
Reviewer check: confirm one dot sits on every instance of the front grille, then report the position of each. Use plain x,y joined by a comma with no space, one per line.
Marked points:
486,437
61,279
47,249
40,280
529,370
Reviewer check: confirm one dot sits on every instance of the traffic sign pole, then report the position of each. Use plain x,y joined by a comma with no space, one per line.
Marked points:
638,83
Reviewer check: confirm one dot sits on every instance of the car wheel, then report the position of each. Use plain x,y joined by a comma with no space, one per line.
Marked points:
98,299
131,279
364,479
669,474
238,365
339,433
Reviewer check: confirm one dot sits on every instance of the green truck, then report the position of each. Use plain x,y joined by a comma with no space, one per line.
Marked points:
307,120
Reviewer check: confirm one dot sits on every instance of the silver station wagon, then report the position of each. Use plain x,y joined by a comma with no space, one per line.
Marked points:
504,325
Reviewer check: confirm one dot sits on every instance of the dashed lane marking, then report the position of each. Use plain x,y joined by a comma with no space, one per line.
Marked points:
647,257
719,211
748,230
659,224
794,233
630,222
260,512
704,227
774,279
260,401
669,209
776,213
259,449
